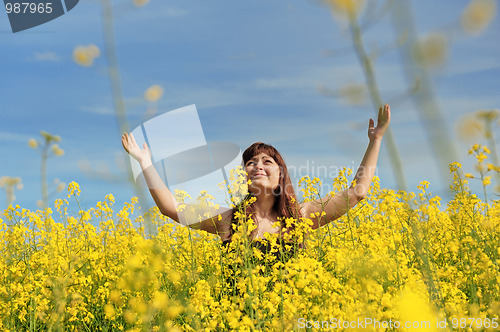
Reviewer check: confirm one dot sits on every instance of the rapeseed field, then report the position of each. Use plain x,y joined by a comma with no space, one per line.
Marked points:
397,257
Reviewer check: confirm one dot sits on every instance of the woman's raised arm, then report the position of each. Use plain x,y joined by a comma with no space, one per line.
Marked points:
161,195
164,199
337,205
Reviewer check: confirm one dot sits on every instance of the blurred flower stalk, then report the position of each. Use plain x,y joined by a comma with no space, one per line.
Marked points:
480,125
350,10
422,56
85,56
49,148
10,184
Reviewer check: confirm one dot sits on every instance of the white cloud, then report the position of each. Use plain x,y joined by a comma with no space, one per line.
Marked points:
47,56
474,65
282,83
455,106
149,12
175,12
308,77
98,110
390,78
13,137
204,97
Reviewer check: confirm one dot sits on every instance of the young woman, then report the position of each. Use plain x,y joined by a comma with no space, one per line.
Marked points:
271,186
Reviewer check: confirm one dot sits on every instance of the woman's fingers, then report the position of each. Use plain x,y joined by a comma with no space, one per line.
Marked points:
125,143
128,141
384,114
130,145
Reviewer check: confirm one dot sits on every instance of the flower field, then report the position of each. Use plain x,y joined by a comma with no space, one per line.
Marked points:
396,258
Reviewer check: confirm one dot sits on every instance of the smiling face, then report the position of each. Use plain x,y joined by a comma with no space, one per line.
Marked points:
264,173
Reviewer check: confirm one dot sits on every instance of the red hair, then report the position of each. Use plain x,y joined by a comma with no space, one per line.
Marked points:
285,204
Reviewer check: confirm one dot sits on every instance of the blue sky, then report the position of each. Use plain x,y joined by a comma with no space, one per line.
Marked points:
252,68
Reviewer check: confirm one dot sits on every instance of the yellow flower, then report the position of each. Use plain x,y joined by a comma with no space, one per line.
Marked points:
469,127
414,307
73,189
109,311
129,316
481,156
153,93
478,15
431,51
60,187
468,175
81,57
115,297
57,150
345,7
354,94
9,181
173,311
110,198
455,166
85,55
106,267
32,143
140,3
486,180
487,115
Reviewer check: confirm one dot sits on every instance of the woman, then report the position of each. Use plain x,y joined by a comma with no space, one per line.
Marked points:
271,185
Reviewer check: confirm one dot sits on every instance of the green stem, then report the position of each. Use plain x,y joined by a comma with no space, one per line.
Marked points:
43,179
376,98
116,90
493,149
9,191
485,195
425,99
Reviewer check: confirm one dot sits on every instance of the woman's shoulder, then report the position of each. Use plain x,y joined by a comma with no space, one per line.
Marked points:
219,223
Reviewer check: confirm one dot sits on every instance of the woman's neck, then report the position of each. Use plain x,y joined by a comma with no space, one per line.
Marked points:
264,206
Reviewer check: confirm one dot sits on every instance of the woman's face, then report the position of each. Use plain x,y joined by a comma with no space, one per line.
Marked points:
263,172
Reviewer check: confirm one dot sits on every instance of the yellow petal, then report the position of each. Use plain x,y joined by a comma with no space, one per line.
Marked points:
140,3
431,51
33,143
345,7
153,93
478,15
81,56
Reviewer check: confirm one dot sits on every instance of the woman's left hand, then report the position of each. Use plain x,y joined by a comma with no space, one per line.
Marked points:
384,117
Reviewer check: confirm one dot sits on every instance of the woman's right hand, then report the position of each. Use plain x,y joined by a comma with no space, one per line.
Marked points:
130,145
